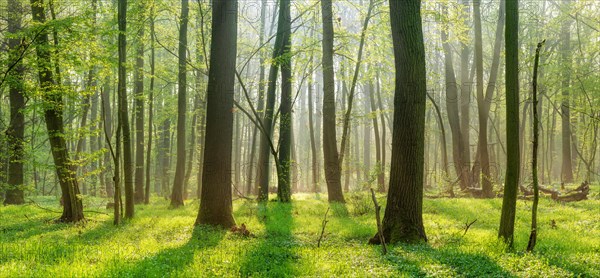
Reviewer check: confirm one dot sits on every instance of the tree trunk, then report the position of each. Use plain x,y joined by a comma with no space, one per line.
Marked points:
285,109
383,131
567,164
73,208
15,132
177,195
311,131
215,203
330,151
403,219
261,99
139,110
465,102
378,168
511,183
150,107
123,113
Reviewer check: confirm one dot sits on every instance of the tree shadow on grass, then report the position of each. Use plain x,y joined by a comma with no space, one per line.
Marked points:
272,255
168,262
414,258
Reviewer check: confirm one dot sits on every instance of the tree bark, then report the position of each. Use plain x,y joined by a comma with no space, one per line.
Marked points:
123,113
73,207
150,107
565,50
215,203
511,183
330,151
378,168
139,110
403,219
15,132
177,194
285,109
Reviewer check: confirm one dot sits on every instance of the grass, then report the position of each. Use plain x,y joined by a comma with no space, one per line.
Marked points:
163,242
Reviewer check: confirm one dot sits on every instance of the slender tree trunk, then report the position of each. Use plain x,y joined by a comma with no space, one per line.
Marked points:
452,101
383,130
123,114
108,131
264,155
150,108
378,168
177,195
215,203
565,50
311,131
139,110
330,151
465,102
73,208
534,161
511,183
15,132
403,219
285,109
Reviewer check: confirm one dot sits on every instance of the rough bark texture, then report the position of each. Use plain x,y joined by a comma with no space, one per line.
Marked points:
509,202
73,208
177,194
403,219
330,151
215,202
16,127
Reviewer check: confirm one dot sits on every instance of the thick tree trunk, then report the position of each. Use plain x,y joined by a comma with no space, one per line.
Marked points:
215,203
330,151
511,183
73,208
15,132
139,111
403,219
177,194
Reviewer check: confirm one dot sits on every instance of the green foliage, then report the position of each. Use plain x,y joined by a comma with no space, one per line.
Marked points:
163,242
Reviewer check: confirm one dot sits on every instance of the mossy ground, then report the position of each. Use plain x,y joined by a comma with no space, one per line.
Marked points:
163,242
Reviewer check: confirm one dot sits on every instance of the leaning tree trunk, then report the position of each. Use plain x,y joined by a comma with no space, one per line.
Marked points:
16,128
177,194
513,162
215,203
403,219
73,207
330,151
378,164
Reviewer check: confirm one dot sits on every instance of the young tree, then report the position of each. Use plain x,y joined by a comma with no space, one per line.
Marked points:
16,126
513,162
403,219
53,109
177,195
330,151
215,201
123,113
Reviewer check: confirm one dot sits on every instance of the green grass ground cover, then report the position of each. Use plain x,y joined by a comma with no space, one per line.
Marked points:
163,242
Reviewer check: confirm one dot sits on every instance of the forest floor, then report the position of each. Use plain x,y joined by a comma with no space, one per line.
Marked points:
163,242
